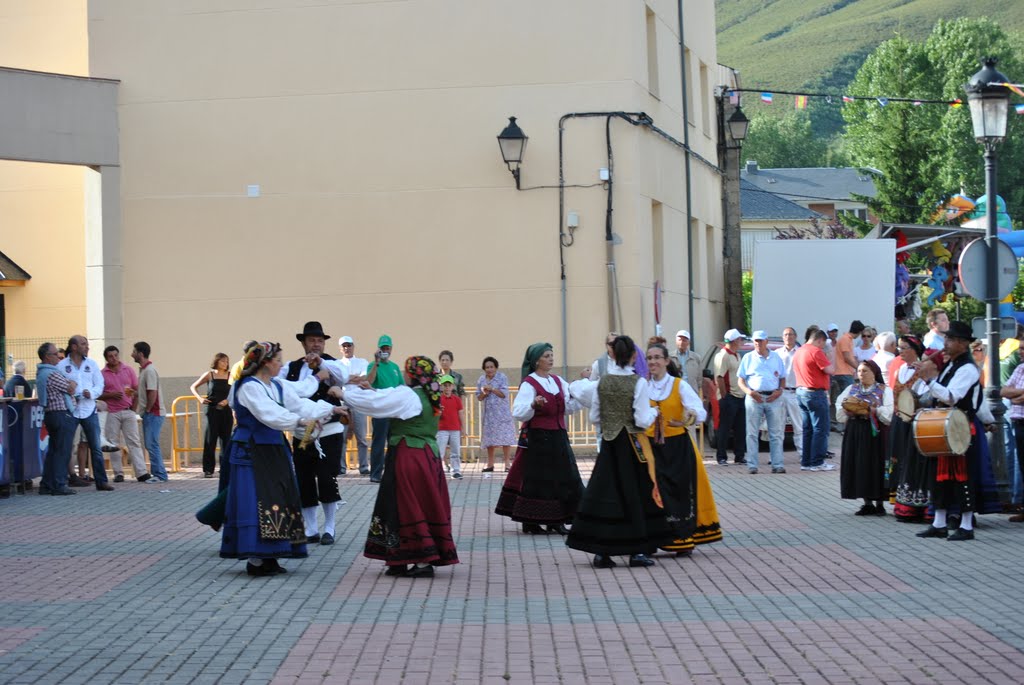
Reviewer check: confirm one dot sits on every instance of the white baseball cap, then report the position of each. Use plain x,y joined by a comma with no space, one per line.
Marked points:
345,339
832,327
759,335
733,334
683,333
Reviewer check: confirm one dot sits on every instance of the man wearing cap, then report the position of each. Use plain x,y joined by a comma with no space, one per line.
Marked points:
382,373
732,420
958,385
761,376
319,462
687,360
356,366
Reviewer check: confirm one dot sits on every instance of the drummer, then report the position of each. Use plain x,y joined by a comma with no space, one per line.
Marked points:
956,476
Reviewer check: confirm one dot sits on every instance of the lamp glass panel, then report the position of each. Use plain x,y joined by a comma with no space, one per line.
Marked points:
512,149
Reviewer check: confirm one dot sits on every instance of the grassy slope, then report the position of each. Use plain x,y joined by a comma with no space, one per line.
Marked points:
788,44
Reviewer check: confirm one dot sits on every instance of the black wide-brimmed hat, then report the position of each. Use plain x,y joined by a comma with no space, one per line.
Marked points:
312,328
958,329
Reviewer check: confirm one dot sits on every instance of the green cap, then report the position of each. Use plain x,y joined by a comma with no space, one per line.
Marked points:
445,379
384,340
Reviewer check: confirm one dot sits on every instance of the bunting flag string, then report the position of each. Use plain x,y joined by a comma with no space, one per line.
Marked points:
1019,109
801,98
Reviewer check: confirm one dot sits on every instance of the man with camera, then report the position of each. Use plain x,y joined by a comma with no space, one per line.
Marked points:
382,373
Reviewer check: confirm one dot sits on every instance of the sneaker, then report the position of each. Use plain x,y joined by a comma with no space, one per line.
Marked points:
810,468
779,469
752,471
827,467
457,476
119,478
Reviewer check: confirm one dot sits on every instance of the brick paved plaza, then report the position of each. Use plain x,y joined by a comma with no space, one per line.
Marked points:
126,587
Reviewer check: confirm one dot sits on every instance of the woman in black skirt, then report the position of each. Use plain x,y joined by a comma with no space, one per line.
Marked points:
865,407
622,512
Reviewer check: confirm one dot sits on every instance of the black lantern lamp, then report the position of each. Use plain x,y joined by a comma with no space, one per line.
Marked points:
512,142
989,101
738,125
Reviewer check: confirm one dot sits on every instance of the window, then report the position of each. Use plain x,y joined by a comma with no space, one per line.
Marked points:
652,52
658,242
705,100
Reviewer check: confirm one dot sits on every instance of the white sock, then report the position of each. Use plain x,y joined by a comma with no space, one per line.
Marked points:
255,562
422,565
309,516
967,520
940,518
330,509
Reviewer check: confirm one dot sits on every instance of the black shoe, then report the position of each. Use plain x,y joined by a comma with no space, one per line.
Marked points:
104,486
933,532
110,448
723,462
603,561
685,552
396,570
560,529
118,478
374,480
76,482
487,469
44,490
327,539
879,510
364,472
830,455
533,528
961,534
144,477
263,569
207,474
637,560
420,572
867,510
739,460
312,539
60,491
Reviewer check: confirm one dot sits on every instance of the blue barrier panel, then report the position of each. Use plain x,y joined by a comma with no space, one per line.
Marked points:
5,462
33,439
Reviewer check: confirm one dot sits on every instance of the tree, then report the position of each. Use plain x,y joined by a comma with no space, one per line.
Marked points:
928,152
784,142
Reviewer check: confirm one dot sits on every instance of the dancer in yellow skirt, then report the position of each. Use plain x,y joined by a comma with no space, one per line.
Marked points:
683,482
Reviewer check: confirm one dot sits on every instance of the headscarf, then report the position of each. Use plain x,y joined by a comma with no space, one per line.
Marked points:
422,373
256,355
915,344
533,354
875,370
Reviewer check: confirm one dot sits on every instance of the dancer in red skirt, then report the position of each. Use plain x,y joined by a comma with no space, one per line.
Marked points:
411,528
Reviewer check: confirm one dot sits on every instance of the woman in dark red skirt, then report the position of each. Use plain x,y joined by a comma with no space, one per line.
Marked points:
411,528
543,487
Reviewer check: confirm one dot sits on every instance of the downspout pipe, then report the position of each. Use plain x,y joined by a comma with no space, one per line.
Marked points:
686,167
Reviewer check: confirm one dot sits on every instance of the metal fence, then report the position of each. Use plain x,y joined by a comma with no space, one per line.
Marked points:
25,349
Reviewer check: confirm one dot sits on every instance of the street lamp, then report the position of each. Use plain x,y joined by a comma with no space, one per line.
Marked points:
738,124
512,142
989,101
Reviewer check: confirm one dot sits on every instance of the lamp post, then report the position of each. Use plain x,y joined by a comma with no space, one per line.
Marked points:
989,101
512,142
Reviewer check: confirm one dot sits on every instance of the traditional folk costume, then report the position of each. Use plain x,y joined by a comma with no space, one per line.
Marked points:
862,473
958,477
543,486
685,488
263,517
912,472
622,511
318,461
412,517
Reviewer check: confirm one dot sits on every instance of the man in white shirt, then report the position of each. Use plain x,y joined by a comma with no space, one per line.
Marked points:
356,366
88,380
761,376
938,324
790,404
687,360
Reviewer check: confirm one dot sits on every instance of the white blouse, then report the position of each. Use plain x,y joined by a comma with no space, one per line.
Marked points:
918,387
659,390
884,409
386,403
522,407
643,413
262,400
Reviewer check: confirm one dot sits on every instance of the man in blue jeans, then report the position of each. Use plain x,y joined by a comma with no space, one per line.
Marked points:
382,373
151,407
55,392
88,386
812,369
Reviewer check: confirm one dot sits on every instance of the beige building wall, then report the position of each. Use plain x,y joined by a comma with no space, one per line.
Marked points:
382,204
42,206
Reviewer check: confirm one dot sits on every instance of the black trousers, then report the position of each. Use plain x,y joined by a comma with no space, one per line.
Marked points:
218,427
318,476
732,422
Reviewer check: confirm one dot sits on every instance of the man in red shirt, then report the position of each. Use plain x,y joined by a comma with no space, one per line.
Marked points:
813,370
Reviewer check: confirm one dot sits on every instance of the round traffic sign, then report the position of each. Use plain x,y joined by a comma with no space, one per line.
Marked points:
973,269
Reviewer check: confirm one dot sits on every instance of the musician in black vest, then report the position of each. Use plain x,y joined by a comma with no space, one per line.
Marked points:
953,476
318,464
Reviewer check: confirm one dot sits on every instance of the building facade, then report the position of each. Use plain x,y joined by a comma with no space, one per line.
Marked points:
283,161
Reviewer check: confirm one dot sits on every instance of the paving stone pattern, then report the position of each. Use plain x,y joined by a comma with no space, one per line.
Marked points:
125,587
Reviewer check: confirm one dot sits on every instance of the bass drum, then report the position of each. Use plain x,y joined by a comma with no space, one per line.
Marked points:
939,432
906,405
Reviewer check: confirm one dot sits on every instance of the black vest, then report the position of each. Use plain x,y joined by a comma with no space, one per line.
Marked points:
969,403
295,367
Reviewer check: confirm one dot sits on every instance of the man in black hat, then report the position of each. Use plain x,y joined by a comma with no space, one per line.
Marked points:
958,385
318,464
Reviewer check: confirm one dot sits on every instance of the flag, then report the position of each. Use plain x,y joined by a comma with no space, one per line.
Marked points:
917,103
955,103
882,102
1015,88
734,97
1019,109
801,102
766,97
847,99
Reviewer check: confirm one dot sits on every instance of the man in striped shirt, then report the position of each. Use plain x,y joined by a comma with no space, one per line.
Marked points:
55,391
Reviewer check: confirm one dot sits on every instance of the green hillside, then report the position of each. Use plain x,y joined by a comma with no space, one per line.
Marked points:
791,44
